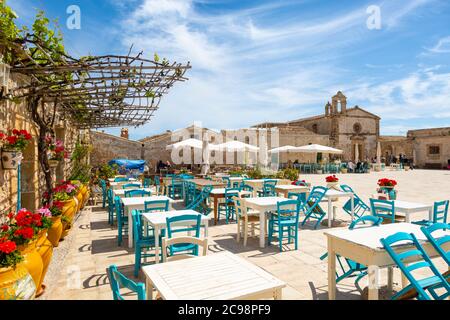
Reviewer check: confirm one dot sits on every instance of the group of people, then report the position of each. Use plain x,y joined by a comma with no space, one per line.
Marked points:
357,167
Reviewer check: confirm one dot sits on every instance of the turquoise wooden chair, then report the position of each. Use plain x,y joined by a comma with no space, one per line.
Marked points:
440,212
348,267
301,183
385,209
268,189
158,184
122,220
227,181
360,208
300,197
117,280
131,185
111,207
245,187
312,208
142,240
176,188
228,206
200,204
438,242
285,221
121,179
424,288
104,192
147,182
137,193
156,206
184,223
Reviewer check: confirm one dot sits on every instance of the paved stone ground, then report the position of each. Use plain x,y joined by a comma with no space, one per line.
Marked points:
78,270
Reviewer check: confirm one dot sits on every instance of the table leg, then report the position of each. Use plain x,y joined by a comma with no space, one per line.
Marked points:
262,229
206,228
156,232
149,289
352,197
430,214
407,217
216,209
331,271
278,294
373,282
130,227
329,212
390,278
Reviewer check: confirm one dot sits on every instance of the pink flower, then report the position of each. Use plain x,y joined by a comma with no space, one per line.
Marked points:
44,212
70,188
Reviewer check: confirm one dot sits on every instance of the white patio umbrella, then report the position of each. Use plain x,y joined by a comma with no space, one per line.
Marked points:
206,156
356,153
317,148
234,145
283,149
193,143
378,153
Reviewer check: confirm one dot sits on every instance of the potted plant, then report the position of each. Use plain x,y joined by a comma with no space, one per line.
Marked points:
332,181
387,186
16,282
24,228
13,143
55,231
56,151
43,245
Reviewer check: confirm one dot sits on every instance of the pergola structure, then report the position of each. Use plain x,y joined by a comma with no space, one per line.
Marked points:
101,91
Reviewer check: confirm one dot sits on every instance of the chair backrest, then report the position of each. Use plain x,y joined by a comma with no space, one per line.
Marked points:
245,187
137,193
227,180
270,183
230,193
103,185
300,197
204,194
383,208
316,195
131,185
440,211
156,206
346,188
300,183
110,197
118,207
167,243
189,222
117,280
439,242
120,179
157,180
147,182
373,220
288,210
418,254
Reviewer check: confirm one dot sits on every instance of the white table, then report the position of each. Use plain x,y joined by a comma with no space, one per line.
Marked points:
130,204
363,245
129,179
219,276
118,185
263,205
332,194
257,184
407,208
121,192
157,220
286,188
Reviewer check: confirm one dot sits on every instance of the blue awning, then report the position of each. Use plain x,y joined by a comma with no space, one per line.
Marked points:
129,164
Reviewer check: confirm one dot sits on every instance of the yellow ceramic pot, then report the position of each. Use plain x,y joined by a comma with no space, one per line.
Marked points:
79,197
69,208
45,250
66,226
32,261
54,233
16,284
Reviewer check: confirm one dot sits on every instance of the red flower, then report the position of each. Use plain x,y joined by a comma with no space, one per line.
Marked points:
11,139
10,215
332,178
2,135
26,232
16,132
24,218
37,219
58,204
4,227
7,246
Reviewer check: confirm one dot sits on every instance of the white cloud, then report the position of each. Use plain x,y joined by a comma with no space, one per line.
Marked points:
442,46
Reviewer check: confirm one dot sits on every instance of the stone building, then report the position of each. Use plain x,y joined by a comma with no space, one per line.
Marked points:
431,147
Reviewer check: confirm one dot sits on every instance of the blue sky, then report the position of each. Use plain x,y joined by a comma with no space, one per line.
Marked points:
256,61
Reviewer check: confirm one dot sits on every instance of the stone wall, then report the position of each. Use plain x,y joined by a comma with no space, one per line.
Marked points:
107,147
431,147
15,115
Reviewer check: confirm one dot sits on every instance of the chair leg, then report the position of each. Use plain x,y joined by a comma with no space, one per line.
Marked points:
137,261
238,238
280,238
245,233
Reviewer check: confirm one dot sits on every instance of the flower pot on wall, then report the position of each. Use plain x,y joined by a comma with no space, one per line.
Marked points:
16,283
333,185
11,159
53,163
32,261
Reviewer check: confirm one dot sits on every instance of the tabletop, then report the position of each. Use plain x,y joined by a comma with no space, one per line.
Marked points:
221,191
129,180
264,201
221,276
121,192
370,237
406,205
134,201
159,218
337,193
291,187
206,182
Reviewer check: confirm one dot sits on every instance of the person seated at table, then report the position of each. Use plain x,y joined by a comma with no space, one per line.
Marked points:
351,166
